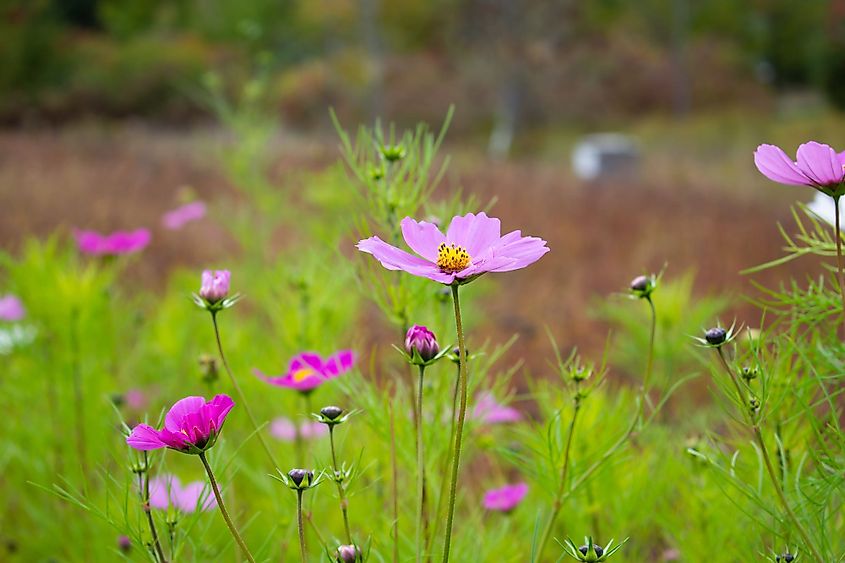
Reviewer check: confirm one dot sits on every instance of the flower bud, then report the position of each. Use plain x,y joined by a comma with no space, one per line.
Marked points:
348,554
749,373
598,551
715,336
642,286
124,544
785,558
331,412
455,355
422,340
215,285
300,475
393,153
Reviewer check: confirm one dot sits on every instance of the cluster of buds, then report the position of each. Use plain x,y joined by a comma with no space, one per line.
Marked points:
348,554
749,373
213,295
642,286
421,347
300,479
591,552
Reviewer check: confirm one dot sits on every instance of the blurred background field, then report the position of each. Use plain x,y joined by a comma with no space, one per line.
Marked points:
112,113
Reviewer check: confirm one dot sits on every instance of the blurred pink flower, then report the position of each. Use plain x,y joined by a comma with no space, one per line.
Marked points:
166,491
489,411
135,399
190,426
817,166
505,499
283,429
473,245
177,218
312,429
11,309
119,242
308,370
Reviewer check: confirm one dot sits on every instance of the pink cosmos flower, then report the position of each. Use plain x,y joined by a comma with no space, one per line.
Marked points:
167,491
191,426
489,411
422,340
308,370
11,309
473,245
283,429
215,285
817,166
181,216
119,242
506,498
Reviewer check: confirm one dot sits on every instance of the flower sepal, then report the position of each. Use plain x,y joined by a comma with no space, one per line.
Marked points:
717,336
215,307
332,416
299,479
590,552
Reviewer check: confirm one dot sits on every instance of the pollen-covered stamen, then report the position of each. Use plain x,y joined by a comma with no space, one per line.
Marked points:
452,258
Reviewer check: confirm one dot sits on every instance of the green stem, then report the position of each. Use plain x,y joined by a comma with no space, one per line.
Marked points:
145,501
649,368
841,274
462,377
447,461
420,466
558,502
223,511
758,437
340,492
395,488
240,393
300,526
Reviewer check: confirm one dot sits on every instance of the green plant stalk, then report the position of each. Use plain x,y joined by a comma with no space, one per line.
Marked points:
145,503
340,492
420,466
223,510
558,502
240,393
448,460
837,234
462,378
649,368
395,487
758,437
302,549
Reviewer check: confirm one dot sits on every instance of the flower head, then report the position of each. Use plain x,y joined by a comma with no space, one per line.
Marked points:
116,243
308,370
300,479
215,285
191,426
348,554
505,499
11,309
422,341
817,166
181,216
489,411
167,491
472,246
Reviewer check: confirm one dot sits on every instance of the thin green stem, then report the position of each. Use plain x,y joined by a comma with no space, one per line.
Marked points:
240,393
447,461
841,274
395,487
145,502
420,466
649,368
223,510
302,549
561,489
344,503
462,377
758,437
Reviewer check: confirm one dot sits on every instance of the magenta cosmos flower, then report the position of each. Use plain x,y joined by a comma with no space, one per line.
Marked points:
308,370
422,341
215,285
817,166
119,242
489,411
473,245
11,309
167,491
181,216
505,499
191,426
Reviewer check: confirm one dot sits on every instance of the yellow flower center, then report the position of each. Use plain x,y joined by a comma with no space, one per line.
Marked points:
302,374
451,258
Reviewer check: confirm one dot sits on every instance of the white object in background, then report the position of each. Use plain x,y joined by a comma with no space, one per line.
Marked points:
605,155
822,207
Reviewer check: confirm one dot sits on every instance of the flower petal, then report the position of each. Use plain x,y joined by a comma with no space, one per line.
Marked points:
820,163
774,164
522,251
339,363
393,258
182,411
217,409
144,438
423,238
476,233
